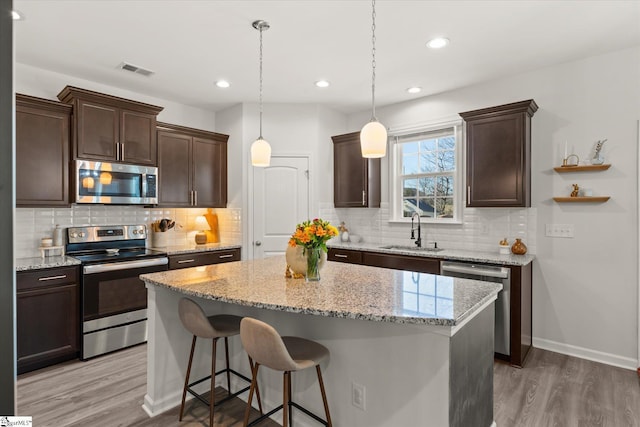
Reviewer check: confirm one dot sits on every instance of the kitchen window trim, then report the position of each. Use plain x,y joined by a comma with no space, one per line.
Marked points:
395,163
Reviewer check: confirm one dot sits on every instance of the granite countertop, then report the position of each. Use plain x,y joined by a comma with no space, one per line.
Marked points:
39,263
451,254
193,248
344,291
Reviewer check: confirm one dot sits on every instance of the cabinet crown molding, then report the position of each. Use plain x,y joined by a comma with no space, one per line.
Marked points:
529,106
70,93
198,133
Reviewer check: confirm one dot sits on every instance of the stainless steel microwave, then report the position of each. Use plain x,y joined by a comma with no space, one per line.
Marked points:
115,183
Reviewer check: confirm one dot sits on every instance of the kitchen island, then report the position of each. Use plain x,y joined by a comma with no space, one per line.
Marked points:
421,345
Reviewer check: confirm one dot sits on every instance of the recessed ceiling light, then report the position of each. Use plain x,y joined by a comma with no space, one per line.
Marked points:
16,15
322,83
414,89
438,42
222,83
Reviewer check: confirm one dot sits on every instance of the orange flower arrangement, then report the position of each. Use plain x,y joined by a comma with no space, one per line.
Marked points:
313,234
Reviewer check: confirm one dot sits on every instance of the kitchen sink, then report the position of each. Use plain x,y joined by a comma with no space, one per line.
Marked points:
411,248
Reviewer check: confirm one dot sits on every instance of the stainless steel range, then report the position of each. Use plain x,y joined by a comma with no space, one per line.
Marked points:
113,298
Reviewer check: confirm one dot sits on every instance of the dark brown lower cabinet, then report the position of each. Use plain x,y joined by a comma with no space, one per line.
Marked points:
203,258
48,322
521,315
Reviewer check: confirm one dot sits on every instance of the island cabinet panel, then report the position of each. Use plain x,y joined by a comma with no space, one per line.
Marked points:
356,180
345,255
401,262
499,155
108,128
47,311
42,152
192,167
203,258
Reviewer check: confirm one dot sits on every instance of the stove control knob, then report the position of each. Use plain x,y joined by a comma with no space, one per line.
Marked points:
81,234
135,231
73,234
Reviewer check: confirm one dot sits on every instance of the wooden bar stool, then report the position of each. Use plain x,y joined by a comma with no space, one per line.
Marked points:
213,327
287,354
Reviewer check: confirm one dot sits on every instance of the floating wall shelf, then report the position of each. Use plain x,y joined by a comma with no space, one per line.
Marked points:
582,199
582,168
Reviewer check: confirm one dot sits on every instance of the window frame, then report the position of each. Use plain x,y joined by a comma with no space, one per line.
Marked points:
395,168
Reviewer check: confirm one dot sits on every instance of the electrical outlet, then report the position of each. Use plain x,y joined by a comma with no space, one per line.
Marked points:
559,230
358,396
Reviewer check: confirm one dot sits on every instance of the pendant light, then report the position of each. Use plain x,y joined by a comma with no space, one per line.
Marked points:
260,149
373,136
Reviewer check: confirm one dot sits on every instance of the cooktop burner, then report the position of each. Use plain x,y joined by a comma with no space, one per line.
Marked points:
110,243
90,257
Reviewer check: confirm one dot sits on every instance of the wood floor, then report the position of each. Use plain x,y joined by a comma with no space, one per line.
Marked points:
552,390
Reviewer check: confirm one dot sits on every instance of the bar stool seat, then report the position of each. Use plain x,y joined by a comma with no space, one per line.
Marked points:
287,354
214,327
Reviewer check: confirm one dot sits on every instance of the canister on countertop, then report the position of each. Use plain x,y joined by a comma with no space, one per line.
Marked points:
58,236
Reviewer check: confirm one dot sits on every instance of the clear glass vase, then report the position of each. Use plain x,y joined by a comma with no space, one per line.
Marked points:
313,264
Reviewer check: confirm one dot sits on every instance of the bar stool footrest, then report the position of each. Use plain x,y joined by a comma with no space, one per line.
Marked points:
226,398
294,404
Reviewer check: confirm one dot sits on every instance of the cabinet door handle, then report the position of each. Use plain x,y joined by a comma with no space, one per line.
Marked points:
43,279
226,256
363,198
195,197
186,261
122,151
341,256
468,194
191,197
117,151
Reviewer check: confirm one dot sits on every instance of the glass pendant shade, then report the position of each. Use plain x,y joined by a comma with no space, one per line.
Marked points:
260,153
373,140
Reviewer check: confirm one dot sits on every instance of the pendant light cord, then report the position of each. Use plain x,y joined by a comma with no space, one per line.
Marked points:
261,28
373,60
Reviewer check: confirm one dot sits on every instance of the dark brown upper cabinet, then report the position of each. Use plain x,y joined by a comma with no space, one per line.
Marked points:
108,128
356,180
192,167
499,155
42,152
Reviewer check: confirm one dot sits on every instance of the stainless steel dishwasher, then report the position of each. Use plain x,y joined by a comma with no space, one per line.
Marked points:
488,273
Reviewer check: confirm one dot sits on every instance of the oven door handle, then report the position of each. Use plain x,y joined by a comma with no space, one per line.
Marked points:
114,266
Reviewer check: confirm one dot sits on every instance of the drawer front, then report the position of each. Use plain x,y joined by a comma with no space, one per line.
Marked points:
26,280
400,262
203,258
345,255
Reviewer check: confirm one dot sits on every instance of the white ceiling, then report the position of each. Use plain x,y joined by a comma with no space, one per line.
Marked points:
191,44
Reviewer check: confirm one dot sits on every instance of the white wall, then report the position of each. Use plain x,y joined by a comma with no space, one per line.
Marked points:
291,129
47,84
585,288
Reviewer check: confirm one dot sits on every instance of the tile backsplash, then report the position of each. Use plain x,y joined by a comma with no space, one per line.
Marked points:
32,224
481,228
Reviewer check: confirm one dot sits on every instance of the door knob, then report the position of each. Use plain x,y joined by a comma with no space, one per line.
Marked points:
258,243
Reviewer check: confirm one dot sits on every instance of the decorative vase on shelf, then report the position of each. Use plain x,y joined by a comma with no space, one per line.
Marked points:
297,260
519,248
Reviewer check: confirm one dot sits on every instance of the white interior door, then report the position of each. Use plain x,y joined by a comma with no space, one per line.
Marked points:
280,201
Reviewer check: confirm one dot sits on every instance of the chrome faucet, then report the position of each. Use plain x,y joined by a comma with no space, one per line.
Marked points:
413,236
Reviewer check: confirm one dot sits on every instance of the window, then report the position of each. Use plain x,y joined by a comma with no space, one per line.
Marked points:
427,174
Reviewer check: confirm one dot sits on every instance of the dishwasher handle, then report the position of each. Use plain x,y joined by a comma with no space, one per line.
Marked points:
474,270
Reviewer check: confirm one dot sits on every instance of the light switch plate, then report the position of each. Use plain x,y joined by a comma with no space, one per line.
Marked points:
559,230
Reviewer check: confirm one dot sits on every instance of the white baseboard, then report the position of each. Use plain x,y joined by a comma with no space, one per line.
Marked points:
585,353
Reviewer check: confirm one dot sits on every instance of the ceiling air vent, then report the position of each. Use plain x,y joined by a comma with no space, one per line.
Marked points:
136,69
